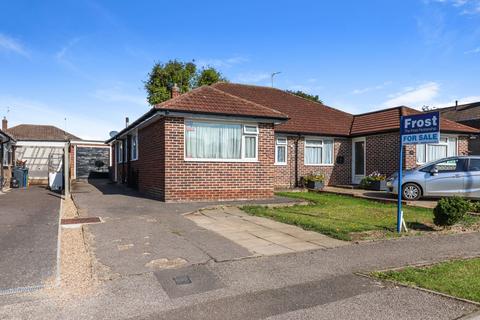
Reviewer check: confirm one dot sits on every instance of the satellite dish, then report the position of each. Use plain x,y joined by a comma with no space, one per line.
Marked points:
113,133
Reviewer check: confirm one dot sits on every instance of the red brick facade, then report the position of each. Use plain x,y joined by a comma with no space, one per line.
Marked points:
163,173
335,174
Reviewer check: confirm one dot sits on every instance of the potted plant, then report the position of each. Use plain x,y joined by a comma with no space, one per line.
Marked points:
374,181
314,181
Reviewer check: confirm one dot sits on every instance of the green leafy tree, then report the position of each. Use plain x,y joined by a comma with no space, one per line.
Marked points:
163,76
185,74
305,95
208,76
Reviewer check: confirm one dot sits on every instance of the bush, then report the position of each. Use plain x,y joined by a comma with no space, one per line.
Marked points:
475,206
450,211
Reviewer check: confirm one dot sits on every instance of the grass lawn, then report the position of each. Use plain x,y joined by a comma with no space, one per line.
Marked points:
460,278
339,216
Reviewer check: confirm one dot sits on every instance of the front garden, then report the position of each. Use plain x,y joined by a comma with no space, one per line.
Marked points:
348,218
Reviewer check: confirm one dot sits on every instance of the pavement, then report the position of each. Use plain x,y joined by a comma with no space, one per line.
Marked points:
142,235
313,284
259,235
28,238
382,196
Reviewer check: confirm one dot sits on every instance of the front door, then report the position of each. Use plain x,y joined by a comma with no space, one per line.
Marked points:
358,160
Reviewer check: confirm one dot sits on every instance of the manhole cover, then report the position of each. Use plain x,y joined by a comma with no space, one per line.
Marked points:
81,220
180,280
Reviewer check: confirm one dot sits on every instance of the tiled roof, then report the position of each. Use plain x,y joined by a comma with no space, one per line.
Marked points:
5,136
389,120
40,133
462,112
209,100
306,116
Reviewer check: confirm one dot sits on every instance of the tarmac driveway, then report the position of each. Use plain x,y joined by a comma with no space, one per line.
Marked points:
28,238
141,235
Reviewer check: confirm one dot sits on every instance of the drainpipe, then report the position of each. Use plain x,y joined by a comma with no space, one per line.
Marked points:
1,167
296,160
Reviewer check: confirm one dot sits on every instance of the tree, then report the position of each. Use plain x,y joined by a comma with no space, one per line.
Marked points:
164,75
208,76
305,95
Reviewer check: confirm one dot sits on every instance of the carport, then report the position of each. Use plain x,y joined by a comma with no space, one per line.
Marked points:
89,159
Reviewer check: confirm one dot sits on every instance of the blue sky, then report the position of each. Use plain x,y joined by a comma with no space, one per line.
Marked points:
86,60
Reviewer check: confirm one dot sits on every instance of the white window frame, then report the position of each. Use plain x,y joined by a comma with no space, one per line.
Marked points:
281,145
120,152
448,137
245,133
322,140
134,137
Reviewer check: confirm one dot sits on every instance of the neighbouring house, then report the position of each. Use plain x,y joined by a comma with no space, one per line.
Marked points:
233,141
42,147
467,114
7,158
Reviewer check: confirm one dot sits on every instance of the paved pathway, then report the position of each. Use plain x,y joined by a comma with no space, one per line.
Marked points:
259,235
28,237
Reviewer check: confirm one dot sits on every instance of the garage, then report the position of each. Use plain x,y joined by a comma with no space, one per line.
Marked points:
90,160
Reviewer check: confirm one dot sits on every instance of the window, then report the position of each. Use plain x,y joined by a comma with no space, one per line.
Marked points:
318,152
281,151
220,141
134,146
474,165
6,155
450,165
120,151
446,147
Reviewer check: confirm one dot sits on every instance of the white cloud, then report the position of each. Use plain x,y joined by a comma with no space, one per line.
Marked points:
118,95
473,51
415,96
252,77
451,103
468,7
222,63
373,88
9,44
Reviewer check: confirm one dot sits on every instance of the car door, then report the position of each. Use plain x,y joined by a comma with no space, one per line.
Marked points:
449,180
472,178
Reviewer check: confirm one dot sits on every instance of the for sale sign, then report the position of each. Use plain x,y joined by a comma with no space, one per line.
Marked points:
420,128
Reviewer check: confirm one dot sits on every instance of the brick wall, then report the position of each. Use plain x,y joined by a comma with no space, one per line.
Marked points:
340,173
382,153
187,180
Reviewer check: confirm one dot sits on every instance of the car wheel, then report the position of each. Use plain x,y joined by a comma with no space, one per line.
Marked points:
411,191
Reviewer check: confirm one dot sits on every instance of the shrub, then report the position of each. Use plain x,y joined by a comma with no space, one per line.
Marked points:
475,206
450,211
314,177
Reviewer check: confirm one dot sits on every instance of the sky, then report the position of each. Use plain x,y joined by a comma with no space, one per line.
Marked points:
81,65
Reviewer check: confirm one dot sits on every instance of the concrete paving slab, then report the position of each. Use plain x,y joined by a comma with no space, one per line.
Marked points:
260,235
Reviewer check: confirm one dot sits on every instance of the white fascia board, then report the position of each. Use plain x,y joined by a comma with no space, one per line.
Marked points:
27,143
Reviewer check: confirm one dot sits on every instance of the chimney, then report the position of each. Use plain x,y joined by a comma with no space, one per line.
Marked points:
456,104
4,124
175,91
127,122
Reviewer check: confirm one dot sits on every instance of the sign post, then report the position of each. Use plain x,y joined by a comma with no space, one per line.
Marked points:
421,128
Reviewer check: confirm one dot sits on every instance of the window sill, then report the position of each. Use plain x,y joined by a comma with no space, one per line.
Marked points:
319,165
280,164
222,160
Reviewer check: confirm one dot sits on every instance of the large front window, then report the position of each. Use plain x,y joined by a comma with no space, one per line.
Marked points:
447,147
318,151
220,141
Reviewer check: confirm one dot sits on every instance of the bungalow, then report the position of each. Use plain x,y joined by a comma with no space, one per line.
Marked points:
233,141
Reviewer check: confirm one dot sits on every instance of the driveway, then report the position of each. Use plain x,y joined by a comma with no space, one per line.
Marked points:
28,238
142,235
